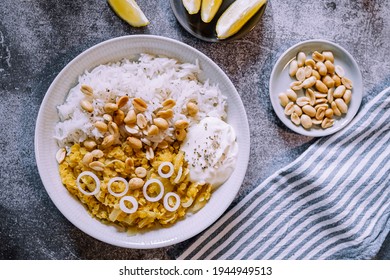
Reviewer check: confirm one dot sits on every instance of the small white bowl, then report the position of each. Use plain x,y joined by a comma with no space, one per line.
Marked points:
280,81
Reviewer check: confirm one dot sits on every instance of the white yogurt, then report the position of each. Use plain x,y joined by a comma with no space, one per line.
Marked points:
211,151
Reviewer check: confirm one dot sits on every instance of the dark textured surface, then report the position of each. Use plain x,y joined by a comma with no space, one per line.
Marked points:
39,37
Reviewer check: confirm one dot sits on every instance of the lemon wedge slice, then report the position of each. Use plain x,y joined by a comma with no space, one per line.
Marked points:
129,11
209,9
236,15
192,6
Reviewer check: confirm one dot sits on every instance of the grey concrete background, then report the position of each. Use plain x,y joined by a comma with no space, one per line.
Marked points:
39,37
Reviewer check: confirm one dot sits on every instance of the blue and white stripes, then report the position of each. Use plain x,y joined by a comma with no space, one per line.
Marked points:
333,202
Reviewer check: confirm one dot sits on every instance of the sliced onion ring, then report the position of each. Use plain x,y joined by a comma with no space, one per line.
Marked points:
178,176
94,177
112,180
145,188
177,203
124,208
162,165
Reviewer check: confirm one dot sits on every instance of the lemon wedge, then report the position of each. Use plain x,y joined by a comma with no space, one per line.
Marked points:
129,11
192,6
209,9
236,15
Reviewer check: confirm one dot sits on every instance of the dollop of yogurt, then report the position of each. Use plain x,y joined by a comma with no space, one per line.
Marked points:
211,151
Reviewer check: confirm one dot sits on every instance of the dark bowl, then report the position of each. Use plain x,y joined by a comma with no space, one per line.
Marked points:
206,31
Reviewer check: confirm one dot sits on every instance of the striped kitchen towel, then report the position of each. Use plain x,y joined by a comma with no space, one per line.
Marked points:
333,202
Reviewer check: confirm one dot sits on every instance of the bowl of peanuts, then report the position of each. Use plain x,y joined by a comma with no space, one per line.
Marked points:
316,88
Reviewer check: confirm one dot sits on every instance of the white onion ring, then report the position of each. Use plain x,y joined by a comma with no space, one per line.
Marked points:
124,208
94,177
178,176
112,180
166,204
162,165
145,188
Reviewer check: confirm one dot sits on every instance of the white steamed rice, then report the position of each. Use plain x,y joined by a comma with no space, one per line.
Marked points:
154,79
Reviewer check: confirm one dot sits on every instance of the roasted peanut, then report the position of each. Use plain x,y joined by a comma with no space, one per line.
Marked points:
134,142
110,107
136,183
119,117
306,121
180,134
310,62
297,85
122,101
339,71
139,104
97,153
309,110
318,56
60,155
192,109
292,95
283,99
326,123
131,117
140,172
181,124
161,123
168,103
141,121
335,109
89,144
315,74
321,68
329,113
320,113
329,67
295,118
302,101
300,75
341,105
153,130
293,68
108,141
309,82
347,96
308,71
337,80
107,117
101,126
87,159
87,90
289,109
165,114
328,81
328,55
339,91
346,82
96,165
321,87
86,105
301,58
297,110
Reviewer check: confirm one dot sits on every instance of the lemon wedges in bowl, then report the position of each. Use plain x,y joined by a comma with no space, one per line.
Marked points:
192,6
238,13
129,11
209,9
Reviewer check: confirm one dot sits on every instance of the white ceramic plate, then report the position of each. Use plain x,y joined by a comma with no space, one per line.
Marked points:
280,81
46,147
